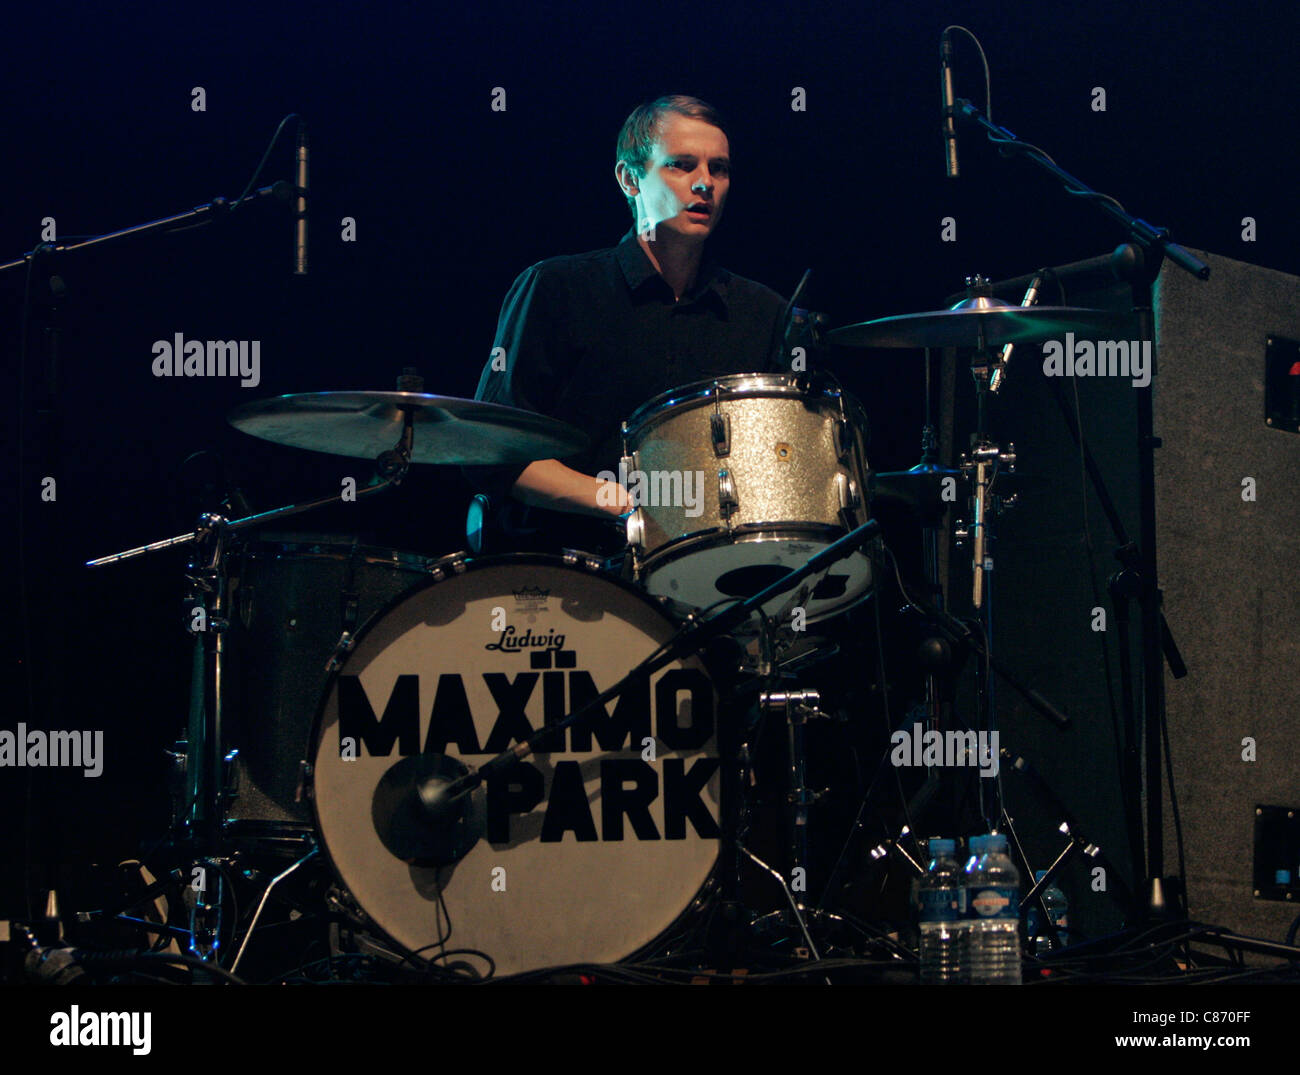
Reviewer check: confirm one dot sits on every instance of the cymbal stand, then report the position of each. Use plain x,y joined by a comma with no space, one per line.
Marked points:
982,466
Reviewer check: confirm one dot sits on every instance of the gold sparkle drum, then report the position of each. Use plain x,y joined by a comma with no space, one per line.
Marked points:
584,853
740,479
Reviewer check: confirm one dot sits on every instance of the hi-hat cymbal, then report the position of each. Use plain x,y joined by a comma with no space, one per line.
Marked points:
980,322
447,429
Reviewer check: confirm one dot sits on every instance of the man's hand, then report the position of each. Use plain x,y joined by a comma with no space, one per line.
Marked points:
548,483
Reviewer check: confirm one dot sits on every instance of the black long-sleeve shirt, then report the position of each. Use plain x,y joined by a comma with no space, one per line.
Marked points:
588,338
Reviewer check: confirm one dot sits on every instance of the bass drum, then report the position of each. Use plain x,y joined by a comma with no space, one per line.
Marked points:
585,853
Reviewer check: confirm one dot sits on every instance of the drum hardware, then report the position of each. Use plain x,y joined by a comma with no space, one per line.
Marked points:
1137,262
720,429
796,707
796,911
728,501
1077,844
982,467
261,905
979,322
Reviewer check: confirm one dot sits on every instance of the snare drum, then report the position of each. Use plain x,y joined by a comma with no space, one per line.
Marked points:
738,480
584,853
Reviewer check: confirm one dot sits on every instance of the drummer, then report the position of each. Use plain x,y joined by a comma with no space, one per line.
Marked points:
588,338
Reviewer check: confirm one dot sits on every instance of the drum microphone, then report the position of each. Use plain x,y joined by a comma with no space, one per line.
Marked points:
1004,359
300,214
949,126
417,820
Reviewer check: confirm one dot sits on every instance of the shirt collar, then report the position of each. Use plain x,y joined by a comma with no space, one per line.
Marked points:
637,269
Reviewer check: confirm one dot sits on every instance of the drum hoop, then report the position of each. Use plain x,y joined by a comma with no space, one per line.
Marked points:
683,547
732,386
304,551
460,564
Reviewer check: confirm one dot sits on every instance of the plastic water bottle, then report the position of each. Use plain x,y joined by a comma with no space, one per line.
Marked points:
938,898
1058,910
993,913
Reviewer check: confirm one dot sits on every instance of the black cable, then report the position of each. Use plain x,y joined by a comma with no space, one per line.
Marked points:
91,960
262,163
1173,804
988,83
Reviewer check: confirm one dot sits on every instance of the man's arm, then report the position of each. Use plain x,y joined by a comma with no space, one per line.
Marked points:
530,335
548,483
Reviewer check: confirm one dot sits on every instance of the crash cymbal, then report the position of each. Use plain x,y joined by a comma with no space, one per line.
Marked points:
447,429
980,321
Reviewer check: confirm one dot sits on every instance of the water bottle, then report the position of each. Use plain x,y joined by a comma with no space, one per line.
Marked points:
1058,911
993,913
937,895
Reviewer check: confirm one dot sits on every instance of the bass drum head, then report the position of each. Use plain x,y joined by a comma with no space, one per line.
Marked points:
584,854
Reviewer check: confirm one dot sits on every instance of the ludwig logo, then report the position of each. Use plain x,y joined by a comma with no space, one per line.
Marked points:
509,640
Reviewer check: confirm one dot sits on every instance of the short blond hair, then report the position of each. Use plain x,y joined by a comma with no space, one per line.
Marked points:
641,129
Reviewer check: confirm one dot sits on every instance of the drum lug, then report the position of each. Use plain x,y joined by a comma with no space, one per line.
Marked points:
584,560
847,489
445,566
627,465
728,502
720,431
636,530
844,437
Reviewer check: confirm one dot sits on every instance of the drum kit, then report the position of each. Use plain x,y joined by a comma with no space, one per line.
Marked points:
538,759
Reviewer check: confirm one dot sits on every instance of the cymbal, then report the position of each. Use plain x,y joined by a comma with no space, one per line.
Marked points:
998,322
920,488
447,429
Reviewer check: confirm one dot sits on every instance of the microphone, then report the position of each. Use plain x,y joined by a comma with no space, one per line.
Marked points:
300,213
949,126
418,816
1004,360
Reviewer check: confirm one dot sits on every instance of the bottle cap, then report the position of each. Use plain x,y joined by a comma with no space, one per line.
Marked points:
940,847
978,844
996,842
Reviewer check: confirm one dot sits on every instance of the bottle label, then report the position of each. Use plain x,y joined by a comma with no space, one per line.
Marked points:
938,905
995,903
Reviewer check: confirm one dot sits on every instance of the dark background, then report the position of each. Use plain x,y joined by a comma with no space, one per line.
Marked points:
452,200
